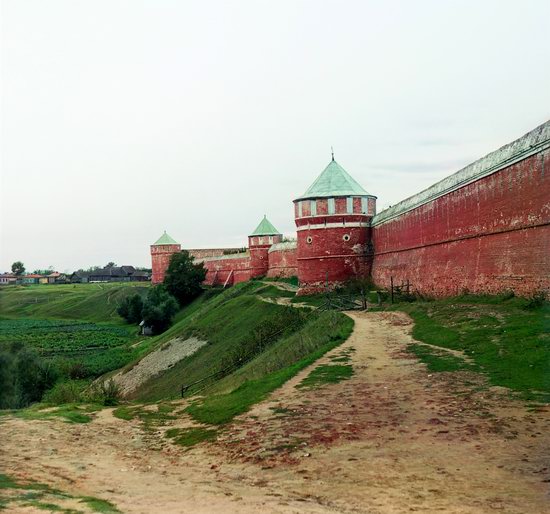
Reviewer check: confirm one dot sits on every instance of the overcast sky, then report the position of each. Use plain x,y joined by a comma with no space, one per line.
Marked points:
121,119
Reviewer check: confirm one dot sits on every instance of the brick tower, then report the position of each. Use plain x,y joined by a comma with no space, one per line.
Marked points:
259,243
333,228
161,252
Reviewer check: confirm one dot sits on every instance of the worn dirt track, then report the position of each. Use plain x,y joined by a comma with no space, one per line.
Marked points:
392,439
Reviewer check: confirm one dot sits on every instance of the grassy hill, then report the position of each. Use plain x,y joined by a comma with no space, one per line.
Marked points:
89,302
232,322
72,329
505,338
250,338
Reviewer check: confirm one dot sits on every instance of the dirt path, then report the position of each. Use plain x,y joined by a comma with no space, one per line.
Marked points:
391,439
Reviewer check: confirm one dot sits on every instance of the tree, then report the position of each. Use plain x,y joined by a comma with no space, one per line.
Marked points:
110,265
158,309
183,277
130,309
24,376
18,268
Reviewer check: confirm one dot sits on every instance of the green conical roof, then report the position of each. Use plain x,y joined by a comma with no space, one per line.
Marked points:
165,239
334,181
265,228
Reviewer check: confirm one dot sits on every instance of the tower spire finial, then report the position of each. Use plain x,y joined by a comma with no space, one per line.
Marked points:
332,152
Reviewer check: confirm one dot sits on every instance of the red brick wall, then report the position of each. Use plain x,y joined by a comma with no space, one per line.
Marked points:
489,236
219,270
160,258
283,263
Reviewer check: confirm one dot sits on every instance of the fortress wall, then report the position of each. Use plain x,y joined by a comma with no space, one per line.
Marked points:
282,260
485,229
203,253
219,269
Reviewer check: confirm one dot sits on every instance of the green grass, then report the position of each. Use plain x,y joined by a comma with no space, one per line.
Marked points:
226,322
440,360
218,409
50,507
74,327
44,497
89,302
191,436
326,374
99,505
60,336
270,291
151,418
289,280
70,413
504,338
320,330
126,413
315,300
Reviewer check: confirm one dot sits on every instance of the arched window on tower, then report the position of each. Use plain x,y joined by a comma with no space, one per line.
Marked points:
331,206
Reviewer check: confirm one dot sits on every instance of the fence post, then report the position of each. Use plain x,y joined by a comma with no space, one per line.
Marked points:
391,282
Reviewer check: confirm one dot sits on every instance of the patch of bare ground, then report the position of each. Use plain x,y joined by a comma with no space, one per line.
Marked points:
156,362
393,438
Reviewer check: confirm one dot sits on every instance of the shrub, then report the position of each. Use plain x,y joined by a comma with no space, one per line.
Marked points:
360,286
131,309
24,377
106,393
64,392
159,309
536,301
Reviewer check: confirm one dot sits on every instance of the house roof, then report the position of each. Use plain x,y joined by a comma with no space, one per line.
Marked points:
165,239
334,181
265,228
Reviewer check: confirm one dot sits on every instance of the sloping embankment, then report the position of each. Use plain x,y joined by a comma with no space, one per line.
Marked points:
157,362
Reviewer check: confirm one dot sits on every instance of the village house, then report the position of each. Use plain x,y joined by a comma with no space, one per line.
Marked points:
7,279
31,278
110,274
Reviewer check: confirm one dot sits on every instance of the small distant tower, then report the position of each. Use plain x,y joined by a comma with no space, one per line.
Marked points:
333,226
161,252
259,243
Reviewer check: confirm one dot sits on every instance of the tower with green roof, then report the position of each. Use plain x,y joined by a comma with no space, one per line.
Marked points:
161,252
264,236
333,228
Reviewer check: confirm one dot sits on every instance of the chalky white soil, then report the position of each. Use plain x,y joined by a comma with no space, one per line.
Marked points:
392,439
156,362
